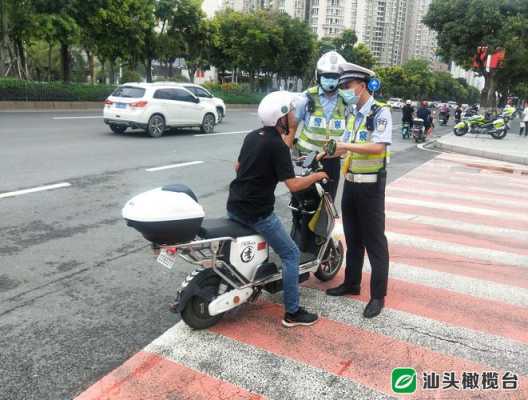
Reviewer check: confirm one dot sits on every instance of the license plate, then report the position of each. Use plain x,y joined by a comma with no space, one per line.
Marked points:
121,105
167,260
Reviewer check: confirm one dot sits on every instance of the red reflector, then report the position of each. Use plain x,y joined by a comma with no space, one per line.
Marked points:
108,102
139,104
261,246
172,250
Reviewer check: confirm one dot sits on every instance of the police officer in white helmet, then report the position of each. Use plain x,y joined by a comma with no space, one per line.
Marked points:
321,115
265,160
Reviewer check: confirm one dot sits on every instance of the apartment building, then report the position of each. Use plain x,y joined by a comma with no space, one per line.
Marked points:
391,29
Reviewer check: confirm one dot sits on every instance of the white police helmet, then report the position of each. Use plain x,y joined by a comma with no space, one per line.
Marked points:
329,63
276,105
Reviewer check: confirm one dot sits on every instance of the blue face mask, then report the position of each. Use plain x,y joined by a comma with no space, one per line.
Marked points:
329,84
349,96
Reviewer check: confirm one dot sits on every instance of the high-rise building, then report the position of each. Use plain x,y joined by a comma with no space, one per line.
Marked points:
391,29
380,24
420,40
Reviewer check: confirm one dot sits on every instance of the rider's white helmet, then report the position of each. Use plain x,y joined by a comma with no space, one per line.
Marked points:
329,63
275,106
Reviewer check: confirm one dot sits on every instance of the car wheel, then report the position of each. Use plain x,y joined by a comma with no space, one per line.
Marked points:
118,128
220,112
156,126
208,123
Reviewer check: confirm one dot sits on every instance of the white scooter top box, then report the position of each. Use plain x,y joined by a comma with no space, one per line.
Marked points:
168,215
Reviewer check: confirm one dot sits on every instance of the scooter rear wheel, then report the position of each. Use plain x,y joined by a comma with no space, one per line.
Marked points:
500,134
460,131
331,263
196,311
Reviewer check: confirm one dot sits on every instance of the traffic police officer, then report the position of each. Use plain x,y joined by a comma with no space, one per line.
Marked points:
321,116
364,144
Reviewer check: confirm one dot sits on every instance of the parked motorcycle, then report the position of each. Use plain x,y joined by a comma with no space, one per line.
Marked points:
233,259
418,130
478,124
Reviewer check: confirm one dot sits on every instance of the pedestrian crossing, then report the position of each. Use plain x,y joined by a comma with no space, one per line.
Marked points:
457,308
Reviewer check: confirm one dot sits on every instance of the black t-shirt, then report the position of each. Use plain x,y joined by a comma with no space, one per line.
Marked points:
265,160
407,112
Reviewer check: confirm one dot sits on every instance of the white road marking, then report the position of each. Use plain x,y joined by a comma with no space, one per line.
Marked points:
35,189
459,225
478,253
459,208
219,133
85,117
186,164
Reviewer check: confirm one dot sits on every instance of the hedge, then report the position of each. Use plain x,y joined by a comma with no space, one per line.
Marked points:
18,90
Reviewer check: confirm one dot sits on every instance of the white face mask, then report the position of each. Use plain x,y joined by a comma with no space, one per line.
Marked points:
349,96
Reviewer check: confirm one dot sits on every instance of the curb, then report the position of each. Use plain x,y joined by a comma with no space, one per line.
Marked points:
481,153
47,106
64,106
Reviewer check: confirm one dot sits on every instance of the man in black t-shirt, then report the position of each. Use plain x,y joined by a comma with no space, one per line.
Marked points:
408,113
263,162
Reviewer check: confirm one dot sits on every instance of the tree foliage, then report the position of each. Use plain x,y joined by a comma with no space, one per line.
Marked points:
463,25
415,80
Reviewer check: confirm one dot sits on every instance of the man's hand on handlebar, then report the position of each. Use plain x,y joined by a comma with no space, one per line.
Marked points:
322,176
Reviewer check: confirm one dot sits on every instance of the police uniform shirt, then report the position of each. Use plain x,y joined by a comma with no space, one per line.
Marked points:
382,124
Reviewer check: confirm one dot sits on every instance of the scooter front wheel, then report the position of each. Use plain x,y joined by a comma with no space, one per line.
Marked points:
331,263
196,311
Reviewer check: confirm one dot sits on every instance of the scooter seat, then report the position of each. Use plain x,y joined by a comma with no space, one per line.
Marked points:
224,227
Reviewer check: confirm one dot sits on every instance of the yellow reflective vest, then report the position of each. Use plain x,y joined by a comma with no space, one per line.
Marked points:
317,131
356,163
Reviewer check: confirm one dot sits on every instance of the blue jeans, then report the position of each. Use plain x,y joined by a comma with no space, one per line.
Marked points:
280,241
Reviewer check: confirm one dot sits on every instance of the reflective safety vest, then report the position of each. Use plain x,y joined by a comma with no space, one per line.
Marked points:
356,163
317,131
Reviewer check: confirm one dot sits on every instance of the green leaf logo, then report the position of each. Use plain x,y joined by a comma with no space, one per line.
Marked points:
404,380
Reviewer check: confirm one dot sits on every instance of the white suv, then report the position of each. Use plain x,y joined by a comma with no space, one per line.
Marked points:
206,96
395,102
156,107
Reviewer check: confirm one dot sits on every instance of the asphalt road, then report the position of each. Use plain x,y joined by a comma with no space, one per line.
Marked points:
79,291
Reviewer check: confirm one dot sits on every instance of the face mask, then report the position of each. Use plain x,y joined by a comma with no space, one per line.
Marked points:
329,84
349,96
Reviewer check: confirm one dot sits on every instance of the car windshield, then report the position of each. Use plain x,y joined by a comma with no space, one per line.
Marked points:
129,91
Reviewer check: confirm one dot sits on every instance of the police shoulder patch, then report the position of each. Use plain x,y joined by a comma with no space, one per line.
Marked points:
381,124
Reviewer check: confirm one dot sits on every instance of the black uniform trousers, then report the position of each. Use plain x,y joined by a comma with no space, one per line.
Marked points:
332,166
363,215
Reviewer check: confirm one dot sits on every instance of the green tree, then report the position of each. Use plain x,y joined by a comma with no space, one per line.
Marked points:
361,55
295,58
190,35
119,31
463,25
60,15
346,44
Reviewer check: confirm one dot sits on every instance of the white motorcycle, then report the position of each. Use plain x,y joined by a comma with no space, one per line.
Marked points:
233,259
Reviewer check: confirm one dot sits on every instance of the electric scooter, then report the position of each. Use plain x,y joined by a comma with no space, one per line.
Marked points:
232,259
